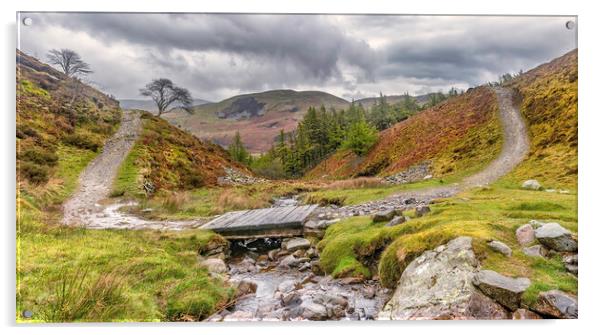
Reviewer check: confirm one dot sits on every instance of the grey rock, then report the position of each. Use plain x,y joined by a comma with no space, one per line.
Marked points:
396,221
245,287
525,234
239,316
500,247
289,262
422,210
313,311
557,304
296,244
383,216
505,290
531,184
535,251
571,263
215,265
291,299
287,286
438,285
329,299
556,237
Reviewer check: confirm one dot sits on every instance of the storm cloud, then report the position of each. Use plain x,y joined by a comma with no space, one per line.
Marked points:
219,55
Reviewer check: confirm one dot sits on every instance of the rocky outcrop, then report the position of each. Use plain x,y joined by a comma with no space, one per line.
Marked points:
556,237
557,304
438,285
505,290
500,247
414,173
215,265
236,177
532,184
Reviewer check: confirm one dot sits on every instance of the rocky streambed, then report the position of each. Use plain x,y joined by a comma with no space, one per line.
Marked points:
280,280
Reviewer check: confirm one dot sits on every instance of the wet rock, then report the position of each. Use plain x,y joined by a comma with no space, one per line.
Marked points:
291,299
422,210
304,266
287,286
214,265
571,263
296,244
438,285
535,251
273,254
351,280
556,237
329,299
245,287
525,314
316,268
247,265
313,311
384,215
311,253
239,316
557,304
525,234
505,290
532,184
396,221
289,262
500,247
308,279
369,292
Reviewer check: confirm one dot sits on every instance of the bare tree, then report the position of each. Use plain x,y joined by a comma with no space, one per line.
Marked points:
164,93
69,61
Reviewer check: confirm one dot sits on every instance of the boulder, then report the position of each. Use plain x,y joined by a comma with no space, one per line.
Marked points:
215,265
557,304
556,237
384,216
535,251
525,234
291,299
438,285
505,290
571,263
532,184
422,210
330,299
524,314
313,311
287,286
296,244
500,247
396,221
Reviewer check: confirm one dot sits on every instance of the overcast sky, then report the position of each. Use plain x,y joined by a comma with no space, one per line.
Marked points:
216,56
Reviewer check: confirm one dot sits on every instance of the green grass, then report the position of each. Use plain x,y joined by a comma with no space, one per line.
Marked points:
127,182
133,275
488,213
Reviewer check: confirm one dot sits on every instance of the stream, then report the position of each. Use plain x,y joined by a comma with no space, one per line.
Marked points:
288,290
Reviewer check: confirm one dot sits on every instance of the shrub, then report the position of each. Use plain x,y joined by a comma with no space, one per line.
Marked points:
84,141
37,174
40,156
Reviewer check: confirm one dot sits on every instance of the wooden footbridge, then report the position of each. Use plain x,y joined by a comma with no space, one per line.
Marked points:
258,223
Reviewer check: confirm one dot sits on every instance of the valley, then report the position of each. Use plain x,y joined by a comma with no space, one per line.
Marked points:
479,189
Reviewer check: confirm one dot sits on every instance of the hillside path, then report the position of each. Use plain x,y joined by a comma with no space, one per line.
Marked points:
514,150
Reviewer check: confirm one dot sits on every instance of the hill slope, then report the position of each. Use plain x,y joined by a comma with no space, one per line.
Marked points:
258,116
459,134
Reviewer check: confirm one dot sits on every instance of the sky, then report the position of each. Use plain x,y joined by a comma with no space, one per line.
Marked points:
216,56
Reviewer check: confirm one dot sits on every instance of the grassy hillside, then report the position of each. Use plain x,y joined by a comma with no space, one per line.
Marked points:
459,136
358,247
72,274
281,109
169,159
549,103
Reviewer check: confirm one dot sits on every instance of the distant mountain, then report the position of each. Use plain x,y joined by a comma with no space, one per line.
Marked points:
393,99
149,105
258,116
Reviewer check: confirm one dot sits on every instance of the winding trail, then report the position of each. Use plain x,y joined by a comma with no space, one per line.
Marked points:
514,150
88,206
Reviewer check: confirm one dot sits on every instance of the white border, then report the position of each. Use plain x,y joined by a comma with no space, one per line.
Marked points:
589,157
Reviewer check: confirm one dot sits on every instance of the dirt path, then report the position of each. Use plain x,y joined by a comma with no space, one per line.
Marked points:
514,150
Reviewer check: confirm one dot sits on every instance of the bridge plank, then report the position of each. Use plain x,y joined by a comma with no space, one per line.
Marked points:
277,221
